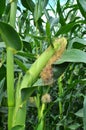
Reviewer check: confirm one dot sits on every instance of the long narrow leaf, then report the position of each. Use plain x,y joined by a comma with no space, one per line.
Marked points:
65,29
28,4
76,42
82,7
59,10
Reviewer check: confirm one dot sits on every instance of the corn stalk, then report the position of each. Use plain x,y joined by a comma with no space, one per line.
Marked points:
10,69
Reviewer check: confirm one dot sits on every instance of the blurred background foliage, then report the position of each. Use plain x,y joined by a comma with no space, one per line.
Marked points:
38,22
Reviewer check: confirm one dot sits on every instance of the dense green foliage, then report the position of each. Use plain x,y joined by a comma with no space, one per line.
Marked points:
37,24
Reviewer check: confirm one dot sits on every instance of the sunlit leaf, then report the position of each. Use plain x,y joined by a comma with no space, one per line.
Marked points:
72,55
21,65
77,43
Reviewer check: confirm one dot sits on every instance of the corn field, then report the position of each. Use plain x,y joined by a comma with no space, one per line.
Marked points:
42,64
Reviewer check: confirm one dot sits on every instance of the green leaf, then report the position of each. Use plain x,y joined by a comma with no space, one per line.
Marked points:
26,93
48,29
27,46
59,10
45,2
40,83
53,22
39,7
58,70
74,126
84,113
82,7
28,55
40,26
48,32
72,55
77,43
10,36
21,65
18,127
37,37
72,12
38,10
79,113
65,29
29,4
2,6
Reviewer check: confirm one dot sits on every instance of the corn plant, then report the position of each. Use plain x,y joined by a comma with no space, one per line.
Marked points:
42,63
17,107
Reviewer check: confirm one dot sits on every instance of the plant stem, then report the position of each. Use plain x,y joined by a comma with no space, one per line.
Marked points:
60,94
10,69
10,78
41,118
10,86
